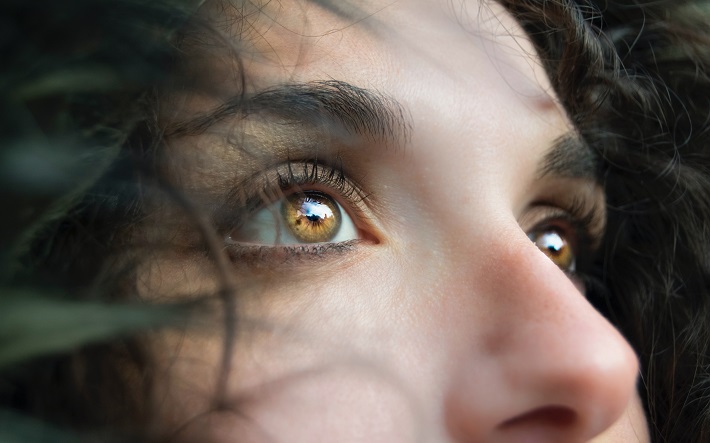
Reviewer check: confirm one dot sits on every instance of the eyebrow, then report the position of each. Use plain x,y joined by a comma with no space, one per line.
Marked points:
320,104
369,114
570,157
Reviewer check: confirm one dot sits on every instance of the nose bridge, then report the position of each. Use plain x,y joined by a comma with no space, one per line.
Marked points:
544,361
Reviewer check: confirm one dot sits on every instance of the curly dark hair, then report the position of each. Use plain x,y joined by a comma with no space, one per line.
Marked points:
632,74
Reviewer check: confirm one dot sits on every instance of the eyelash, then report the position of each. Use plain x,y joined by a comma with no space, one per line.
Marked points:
292,176
315,173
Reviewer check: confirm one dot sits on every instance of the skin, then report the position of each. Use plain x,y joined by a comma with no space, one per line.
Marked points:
443,322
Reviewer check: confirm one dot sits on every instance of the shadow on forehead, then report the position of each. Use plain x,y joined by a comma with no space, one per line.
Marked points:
214,93
226,37
231,12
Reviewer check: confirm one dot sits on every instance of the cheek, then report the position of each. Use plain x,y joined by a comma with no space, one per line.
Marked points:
631,426
312,361
353,402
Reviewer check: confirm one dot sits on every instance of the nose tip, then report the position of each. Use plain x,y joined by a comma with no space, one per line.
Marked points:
547,400
551,369
573,399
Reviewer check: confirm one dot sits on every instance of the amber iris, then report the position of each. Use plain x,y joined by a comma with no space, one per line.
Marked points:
555,245
312,217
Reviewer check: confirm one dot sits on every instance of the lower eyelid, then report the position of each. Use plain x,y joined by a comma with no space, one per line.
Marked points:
270,255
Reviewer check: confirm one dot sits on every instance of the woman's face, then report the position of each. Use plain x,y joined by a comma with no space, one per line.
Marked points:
407,214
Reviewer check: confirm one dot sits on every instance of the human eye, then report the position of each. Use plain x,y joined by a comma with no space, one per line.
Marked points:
302,217
568,235
557,245
300,210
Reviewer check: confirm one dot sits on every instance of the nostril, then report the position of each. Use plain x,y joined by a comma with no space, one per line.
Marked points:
549,416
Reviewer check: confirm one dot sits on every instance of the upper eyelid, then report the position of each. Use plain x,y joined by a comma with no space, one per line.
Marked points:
582,199
265,188
580,220
321,172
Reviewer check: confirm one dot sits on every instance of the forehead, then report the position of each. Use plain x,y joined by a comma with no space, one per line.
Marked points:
374,44
468,79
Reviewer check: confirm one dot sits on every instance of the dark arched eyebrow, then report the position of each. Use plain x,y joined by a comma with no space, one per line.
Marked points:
569,157
335,105
332,105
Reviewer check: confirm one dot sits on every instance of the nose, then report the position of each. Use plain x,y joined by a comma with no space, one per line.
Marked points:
546,366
